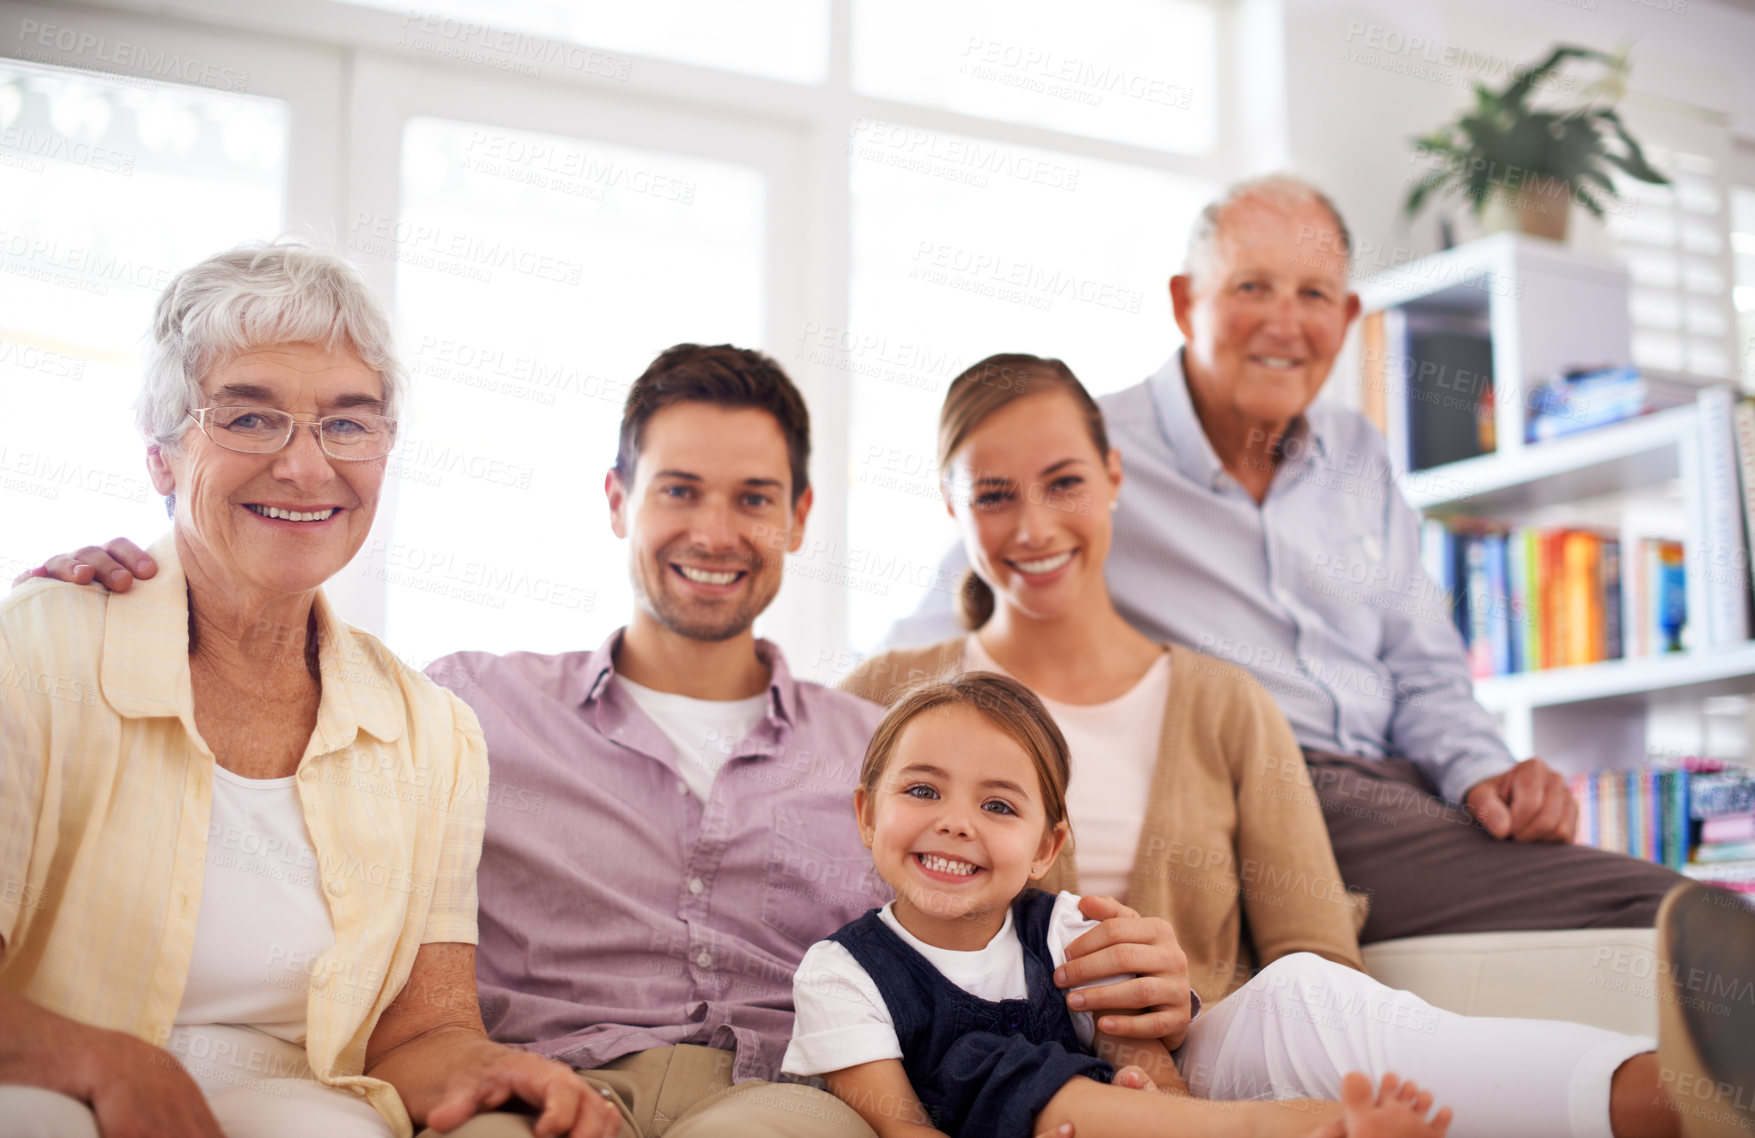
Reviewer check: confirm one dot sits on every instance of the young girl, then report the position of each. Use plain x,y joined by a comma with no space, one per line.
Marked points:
937,1014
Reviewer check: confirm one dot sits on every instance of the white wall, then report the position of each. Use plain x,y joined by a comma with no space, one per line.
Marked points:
1363,77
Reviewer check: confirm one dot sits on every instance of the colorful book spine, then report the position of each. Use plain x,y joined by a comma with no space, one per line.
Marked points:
1527,599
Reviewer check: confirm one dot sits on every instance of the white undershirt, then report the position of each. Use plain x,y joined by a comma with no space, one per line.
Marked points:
842,1019
263,919
705,732
1114,749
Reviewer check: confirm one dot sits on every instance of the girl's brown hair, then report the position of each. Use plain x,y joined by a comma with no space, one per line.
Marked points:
986,387
1003,702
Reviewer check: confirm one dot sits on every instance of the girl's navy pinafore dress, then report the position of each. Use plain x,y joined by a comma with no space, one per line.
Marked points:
981,1069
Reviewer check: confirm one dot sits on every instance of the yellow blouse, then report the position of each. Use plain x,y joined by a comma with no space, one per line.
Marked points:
106,788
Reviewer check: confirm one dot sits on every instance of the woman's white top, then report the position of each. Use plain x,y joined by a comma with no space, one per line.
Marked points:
1114,748
263,920
705,732
843,1021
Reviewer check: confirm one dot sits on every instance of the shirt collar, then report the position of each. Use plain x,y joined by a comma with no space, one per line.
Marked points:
145,668
782,688
1193,452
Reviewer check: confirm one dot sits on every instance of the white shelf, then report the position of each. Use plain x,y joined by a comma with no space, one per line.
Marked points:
1635,455
1684,674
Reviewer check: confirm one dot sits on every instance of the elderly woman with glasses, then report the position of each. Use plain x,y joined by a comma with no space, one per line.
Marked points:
238,837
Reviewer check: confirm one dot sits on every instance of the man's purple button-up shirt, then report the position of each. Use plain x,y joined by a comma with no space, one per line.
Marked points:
619,912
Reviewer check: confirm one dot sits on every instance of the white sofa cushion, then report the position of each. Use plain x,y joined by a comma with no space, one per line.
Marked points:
1603,977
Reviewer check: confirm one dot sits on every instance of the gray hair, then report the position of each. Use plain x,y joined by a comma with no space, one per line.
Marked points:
1281,191
285,292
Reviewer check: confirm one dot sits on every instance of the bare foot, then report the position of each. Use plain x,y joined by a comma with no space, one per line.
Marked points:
1136,1078
1398,1110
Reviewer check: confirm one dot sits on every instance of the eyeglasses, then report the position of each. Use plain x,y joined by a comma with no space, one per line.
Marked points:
260,430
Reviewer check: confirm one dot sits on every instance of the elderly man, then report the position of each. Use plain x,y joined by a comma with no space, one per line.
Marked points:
1243,494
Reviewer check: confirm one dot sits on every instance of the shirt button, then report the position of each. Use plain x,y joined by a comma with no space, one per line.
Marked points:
337,886
1281,595
704,959
682,787
696,885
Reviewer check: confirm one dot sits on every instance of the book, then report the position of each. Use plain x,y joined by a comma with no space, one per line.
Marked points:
1579,596
1732,873
1609,566
1729,828
1722,792
1499,605
1478,635
1724,851
1721,557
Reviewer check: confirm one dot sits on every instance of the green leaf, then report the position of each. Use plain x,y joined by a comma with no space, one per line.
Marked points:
1520,87
1635,163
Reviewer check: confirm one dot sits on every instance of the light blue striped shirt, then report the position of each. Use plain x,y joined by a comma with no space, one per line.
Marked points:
1319,590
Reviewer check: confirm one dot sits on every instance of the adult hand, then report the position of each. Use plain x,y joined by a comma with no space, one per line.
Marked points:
115,566
141,1091
570,1106
1126,942
1528,803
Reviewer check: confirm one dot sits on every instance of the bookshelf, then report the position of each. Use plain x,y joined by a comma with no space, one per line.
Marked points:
1532,308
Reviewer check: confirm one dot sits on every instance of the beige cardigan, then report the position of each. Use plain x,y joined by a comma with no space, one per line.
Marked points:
1234,852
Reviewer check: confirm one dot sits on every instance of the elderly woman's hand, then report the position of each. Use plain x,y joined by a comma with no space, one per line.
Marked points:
1126,942
570,1106
141,1091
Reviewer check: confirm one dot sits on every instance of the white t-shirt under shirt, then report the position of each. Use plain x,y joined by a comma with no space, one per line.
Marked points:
842,1019
705,731
263,920
1114,747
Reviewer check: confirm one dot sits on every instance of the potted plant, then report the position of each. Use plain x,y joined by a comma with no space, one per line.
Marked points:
1519,166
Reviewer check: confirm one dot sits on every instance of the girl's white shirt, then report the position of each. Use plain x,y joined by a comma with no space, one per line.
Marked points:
842,1019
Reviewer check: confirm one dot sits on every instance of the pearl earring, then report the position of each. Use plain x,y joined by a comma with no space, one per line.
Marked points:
1114,504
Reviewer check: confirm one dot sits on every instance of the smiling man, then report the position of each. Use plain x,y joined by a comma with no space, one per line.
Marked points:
1247,500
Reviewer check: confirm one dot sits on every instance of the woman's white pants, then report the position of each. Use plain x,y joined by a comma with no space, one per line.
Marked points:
1303,1022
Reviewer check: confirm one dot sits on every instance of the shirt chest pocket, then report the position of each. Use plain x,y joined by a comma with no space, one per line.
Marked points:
818,875
1350,576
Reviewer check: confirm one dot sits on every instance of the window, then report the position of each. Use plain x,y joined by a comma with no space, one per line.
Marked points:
965,249
1743,295
83,158
1675,242
779,39
536,276
1134,71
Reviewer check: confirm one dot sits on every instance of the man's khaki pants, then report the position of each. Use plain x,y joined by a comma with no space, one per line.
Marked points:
687,1092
